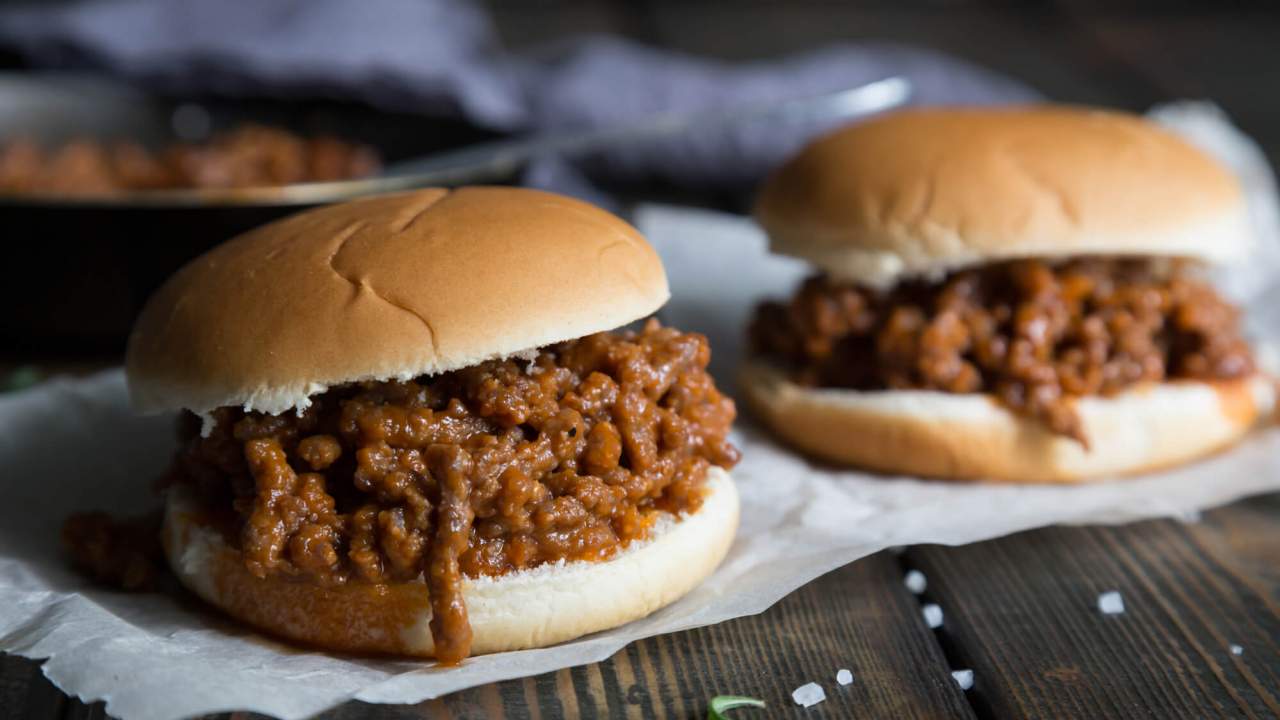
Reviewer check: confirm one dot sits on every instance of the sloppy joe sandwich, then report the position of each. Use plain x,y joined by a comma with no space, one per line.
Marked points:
1008,294
412,427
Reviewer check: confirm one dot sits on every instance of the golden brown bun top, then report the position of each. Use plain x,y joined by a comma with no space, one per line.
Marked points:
923,192
388,287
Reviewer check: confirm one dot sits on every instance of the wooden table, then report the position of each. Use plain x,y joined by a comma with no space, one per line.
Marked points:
1019,611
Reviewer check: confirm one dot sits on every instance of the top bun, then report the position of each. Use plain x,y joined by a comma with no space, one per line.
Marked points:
389,287
920,193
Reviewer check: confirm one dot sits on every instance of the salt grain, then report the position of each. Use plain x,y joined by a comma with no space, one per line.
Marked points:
809,694
915,582
1236,649
932,615
1110,603
963,678
843,676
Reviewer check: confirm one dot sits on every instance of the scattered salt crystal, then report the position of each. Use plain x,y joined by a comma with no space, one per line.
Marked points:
1110,603
844,677
932,616
963,678
915,582
1236,649
809,694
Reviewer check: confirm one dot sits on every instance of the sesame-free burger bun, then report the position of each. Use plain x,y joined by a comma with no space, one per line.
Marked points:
533,608
972,437
389,287
922,192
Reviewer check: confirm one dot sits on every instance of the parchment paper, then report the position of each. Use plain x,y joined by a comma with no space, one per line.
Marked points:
72,445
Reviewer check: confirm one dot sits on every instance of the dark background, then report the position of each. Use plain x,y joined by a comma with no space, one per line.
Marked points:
1124,53
1127,53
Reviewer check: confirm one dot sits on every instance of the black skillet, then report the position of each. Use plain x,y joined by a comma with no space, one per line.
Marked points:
79,269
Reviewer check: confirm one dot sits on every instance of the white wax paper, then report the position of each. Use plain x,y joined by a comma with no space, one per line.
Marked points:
74,445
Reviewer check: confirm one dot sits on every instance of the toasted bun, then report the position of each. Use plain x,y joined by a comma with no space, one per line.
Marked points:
924,192
533,608
389,287
971,437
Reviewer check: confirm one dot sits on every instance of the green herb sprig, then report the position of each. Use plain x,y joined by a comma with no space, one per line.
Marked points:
721,703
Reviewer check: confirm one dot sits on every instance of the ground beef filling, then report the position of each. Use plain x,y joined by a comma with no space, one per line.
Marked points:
1034,335
122,553
481,471
247,156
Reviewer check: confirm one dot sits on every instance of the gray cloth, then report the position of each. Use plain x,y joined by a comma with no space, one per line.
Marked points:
440,57
433,56
602,82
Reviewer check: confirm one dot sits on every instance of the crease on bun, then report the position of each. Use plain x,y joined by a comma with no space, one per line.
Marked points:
920,193
389,287
542,606
971,437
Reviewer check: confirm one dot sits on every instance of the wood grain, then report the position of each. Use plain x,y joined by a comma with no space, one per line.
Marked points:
24,692
859,617
1021,612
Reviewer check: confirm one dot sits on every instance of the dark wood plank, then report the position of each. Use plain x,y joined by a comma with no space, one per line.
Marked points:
1233,65
75,710
1021,612
859,617
1032,44
525,25
1243,537
24,692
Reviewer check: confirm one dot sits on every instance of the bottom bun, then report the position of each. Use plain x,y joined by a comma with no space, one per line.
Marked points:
972,437
531,608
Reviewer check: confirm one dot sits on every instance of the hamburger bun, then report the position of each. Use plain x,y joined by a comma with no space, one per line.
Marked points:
370,290
920,193
972,437
399,287
532,608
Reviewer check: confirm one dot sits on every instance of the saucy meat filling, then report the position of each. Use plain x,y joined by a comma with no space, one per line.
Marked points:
122,553
1033,334
247,156
478,472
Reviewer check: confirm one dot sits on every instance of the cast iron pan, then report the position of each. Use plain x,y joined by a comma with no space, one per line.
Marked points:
78,270
86,265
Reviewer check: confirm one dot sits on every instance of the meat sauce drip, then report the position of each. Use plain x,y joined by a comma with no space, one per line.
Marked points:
477,472
121,553
1033,334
